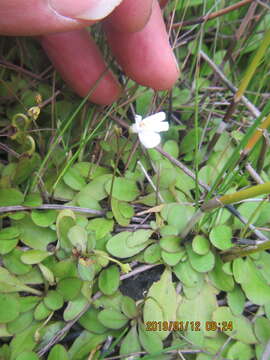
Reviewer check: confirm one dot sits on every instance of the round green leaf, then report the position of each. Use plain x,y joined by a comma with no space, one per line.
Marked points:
130,343
14,264
138,237
9,233
7,246
171,244
69,288
34,256
9,308
122,189
53,300
10,197
200,245
221,237
152,254
20,323
41,312
201,263
74,308
74,180
128,307
109,280
172,259
27,355
117,245
78,237
43,218
262,329
171,147
112,318
90,321
58,352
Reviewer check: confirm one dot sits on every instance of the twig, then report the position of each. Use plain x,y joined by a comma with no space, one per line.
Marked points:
213,15
14,208
252,108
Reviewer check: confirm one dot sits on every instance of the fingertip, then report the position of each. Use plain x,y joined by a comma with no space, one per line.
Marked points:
146,56
79,62
130,15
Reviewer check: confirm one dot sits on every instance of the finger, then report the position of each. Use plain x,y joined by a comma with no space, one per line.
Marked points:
130,15
35,17
145,56
77,58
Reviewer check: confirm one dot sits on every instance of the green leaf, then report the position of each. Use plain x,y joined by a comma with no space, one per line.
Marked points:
254,285
95,190
47,274
43,218
117,245
101,227
34,256
236,300
200,308
20,323
41,312
119,217
32,199
14,264
128,307
219,278
152,254
170,244
138,237
122,189
200,245
112,318
34,236
242,327
109,280
177,215
186,274
58,352
27,355
150,340
69,288
9,233
130,343
9,283
78,237
28,303
172,259
74,308
161,295
10,197
171,147
53,300
262,329
74,180
9,308
89,320
84,344
240,351
201,263
7,246
65,220
23,341
221,237
86,269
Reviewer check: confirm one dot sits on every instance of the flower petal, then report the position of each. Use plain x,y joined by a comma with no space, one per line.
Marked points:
149,139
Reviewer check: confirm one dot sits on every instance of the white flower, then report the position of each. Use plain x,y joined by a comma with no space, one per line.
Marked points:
148,129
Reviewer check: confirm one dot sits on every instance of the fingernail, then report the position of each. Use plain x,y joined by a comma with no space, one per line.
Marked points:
84,9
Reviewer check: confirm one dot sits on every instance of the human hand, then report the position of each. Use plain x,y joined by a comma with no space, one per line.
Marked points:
135,32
